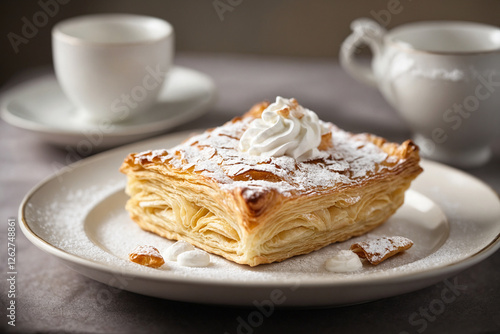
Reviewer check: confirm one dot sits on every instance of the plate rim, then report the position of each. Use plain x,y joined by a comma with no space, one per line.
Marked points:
169,122
486,251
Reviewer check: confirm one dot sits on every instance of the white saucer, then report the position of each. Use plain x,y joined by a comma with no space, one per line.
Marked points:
40,106
74,215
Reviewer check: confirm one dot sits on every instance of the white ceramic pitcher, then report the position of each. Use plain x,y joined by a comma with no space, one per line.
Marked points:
442,76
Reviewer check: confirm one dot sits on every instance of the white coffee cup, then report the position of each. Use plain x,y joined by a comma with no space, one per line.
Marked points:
112,66
444,79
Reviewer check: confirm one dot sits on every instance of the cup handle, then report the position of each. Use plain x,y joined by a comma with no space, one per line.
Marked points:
365,31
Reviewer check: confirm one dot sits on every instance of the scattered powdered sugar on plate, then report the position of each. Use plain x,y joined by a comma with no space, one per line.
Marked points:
60,221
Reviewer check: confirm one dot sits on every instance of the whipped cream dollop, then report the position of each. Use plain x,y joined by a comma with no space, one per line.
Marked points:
343,262
285,128
181,246
194,258
187,255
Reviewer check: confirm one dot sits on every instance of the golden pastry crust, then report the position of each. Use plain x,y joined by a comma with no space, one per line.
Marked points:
254,210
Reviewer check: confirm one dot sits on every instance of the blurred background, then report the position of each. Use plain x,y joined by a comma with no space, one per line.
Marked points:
294,28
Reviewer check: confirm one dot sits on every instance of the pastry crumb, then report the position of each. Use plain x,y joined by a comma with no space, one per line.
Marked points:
379,250
146,255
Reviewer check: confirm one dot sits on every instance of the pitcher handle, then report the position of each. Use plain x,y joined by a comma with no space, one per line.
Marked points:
365,31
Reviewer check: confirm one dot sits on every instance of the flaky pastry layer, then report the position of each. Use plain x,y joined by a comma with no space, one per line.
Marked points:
254,210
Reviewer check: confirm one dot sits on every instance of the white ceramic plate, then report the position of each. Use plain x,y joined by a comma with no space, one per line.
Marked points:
40,106
79,217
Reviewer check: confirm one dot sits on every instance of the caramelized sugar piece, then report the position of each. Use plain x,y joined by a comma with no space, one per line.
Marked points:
147,256
257,109
326,142
378,250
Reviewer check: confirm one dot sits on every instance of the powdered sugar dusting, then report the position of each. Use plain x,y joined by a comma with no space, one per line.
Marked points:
60,221
214,154
147,250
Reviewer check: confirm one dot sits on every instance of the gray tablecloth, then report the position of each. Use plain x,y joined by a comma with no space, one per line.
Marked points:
52,298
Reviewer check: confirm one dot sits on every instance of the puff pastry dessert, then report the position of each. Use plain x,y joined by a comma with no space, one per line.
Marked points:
272,184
